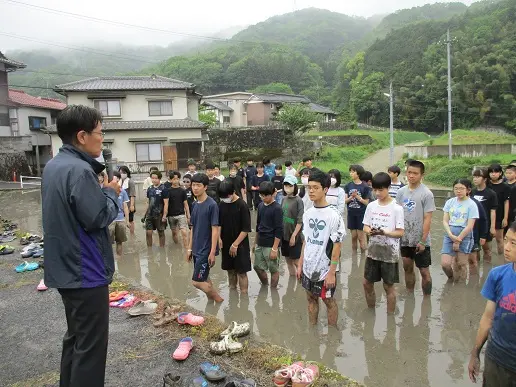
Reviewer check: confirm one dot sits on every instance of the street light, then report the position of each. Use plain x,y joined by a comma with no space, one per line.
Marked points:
391,124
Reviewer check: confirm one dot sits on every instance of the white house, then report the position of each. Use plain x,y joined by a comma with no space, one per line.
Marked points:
148,120
229,108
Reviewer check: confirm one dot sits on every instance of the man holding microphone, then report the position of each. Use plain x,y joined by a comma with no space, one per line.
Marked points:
78,255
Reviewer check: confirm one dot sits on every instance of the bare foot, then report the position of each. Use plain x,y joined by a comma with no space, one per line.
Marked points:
218,299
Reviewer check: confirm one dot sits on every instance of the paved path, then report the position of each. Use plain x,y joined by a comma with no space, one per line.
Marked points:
379,161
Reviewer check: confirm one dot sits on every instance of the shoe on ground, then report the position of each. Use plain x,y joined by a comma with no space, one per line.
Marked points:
236,330
212,372
172,380
142,308
241,383
6,249
227,344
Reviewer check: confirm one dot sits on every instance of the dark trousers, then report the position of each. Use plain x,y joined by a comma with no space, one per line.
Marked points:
250,199
83,361
497,376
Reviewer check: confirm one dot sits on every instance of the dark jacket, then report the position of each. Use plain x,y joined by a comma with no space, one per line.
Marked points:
76,216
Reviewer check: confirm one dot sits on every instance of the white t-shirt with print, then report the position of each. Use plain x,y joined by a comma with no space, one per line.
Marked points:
322,227
388,218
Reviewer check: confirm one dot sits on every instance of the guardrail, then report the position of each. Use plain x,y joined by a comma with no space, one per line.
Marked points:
30,181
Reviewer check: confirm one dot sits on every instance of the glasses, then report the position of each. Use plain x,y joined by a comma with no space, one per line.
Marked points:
459,189
102,134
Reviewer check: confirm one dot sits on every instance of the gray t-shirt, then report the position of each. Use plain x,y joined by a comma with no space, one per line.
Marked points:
415,205
293,210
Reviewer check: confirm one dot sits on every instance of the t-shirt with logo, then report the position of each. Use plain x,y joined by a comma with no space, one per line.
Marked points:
278,182
487,197
500,287
460,211
322,228
387,217
156,195
394,188
293,210
416,203
362,190
122,198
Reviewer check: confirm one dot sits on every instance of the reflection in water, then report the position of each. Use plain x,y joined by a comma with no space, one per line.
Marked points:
426,344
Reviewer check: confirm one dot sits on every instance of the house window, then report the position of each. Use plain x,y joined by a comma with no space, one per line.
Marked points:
148,152
226,119
108,108
37,123
160,108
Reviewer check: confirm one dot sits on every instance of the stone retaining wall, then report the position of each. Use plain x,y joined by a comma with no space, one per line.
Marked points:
472,150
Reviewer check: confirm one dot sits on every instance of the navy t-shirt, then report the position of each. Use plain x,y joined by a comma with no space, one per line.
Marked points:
362,190
500,287
204,215
257,180
156,204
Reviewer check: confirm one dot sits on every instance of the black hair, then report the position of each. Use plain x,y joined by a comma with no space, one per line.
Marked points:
226,189
381,180
250,158
296,189
191,162
394,169
481,172
75,118
209,165
266,188
278,167
513,226
366,176
157,173
288,163
512,167
237,160
259,165
307,158
306,171
153,169
200,178
125,170
464,182
358,169
495,168
416,164
171,174
233,166
321,178
266,160
117,174
336,174
187,176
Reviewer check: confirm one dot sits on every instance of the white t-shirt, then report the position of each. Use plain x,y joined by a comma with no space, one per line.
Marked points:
307,203
336,197
291,172
322,227
388,218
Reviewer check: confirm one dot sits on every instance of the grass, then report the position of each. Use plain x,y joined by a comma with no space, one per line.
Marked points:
443,172
46,379
466,137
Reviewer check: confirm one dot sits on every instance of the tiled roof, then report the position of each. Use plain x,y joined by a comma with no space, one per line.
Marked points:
10,62
280,98
111,126
320,108
218,105
21,98
152,82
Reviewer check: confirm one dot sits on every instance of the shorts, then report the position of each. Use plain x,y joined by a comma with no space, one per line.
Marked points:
178,221
422,260
355,221
376,271
117,232
292,252
496,375
317,288
131,216
263,262
155,224
201,269
241,263
465,247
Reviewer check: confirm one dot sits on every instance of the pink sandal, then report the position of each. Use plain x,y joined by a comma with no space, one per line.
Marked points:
183,349
190,319
306,376
41,286
284,375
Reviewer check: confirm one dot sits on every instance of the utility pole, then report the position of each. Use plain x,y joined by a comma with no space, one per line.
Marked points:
391,126
448,44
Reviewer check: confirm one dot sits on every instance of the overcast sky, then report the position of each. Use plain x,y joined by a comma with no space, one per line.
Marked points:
202,17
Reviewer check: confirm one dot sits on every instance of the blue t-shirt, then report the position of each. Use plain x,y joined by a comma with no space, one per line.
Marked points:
122,198
269,170
461,211
362,190
500,287
204,216
257,180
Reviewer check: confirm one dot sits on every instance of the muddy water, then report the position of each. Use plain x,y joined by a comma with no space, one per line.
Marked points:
426,343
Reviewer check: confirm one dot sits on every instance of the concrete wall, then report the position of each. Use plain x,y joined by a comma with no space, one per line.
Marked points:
259,113
23,123
135,106
344,140
15,144
460,150
126,151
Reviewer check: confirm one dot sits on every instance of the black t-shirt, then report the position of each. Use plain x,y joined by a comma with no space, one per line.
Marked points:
488,199
278,182
250,171
190,198
213,189
257,180
176,199
512,203
241,173
238,183
503,191
233,219
156,195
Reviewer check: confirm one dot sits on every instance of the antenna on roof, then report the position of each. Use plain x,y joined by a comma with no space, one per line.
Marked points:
153,76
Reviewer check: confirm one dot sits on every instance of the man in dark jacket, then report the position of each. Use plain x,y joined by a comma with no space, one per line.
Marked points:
78,255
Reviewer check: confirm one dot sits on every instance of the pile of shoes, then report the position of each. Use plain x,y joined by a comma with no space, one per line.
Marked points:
122,299
33,250
27,238
6,249
228,344
171,313
297,374
7,225
210,373
7,236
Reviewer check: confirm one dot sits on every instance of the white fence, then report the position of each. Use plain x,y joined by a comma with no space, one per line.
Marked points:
30,182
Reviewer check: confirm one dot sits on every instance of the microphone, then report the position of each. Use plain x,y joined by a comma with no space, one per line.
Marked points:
108,159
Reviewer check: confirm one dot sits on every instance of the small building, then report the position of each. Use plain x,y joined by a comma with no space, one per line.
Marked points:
327,115
230,108
148,120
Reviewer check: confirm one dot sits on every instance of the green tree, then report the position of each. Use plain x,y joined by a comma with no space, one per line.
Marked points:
274,87
208,117
297,117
